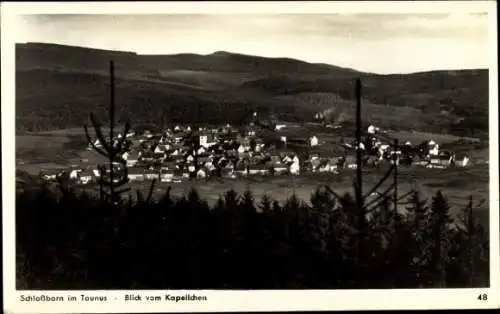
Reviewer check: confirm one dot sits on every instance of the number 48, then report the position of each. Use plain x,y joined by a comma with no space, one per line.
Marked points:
482,297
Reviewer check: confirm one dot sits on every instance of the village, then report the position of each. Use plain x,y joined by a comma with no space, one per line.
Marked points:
180,153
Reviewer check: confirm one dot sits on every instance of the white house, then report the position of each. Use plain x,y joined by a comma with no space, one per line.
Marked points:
130,133
462,161
258,169
372,129
159,149
166,175
202,150
74,174
151,174
241,149
313,141
350,162
433,148
96,173
98,143
135,174
131,158
397,156
442,160
241,169
283,139
295,166
207,140
191,168
382,150
228,172
147,134
201,174
177,152
48,176
287,159
279,168
434,151
295,169
164,139
85,177
210,166
278,127
324,167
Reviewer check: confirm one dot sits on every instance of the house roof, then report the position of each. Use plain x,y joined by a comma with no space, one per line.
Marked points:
50,171
169,164
298,141
280,166
257,167
136,170
86,172
147,154
315,151
324,162
461,155
275,158
240,166
350,159
150,171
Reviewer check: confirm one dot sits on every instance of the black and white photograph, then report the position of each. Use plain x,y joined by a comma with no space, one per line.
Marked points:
191,151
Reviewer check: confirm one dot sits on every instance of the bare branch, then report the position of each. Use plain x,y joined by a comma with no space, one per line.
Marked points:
379,183
124,137
123,190
99,134
381,196
151,190
332,192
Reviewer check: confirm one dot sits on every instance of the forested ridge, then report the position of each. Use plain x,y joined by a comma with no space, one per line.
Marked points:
56,87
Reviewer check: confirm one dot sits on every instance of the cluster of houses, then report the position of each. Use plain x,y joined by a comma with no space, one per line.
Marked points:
181,153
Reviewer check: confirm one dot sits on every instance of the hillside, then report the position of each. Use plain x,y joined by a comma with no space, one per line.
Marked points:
57,86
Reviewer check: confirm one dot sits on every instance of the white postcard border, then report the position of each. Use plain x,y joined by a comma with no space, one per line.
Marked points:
277,300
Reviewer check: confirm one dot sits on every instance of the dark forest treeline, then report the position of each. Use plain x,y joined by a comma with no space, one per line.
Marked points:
78,242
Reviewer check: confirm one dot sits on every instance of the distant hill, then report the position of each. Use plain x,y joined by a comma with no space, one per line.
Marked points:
57,86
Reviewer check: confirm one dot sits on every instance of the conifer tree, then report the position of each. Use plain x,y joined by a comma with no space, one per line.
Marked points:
418,220
113,176
266,204
439,230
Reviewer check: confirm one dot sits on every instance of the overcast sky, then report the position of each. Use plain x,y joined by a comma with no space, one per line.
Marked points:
381,43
